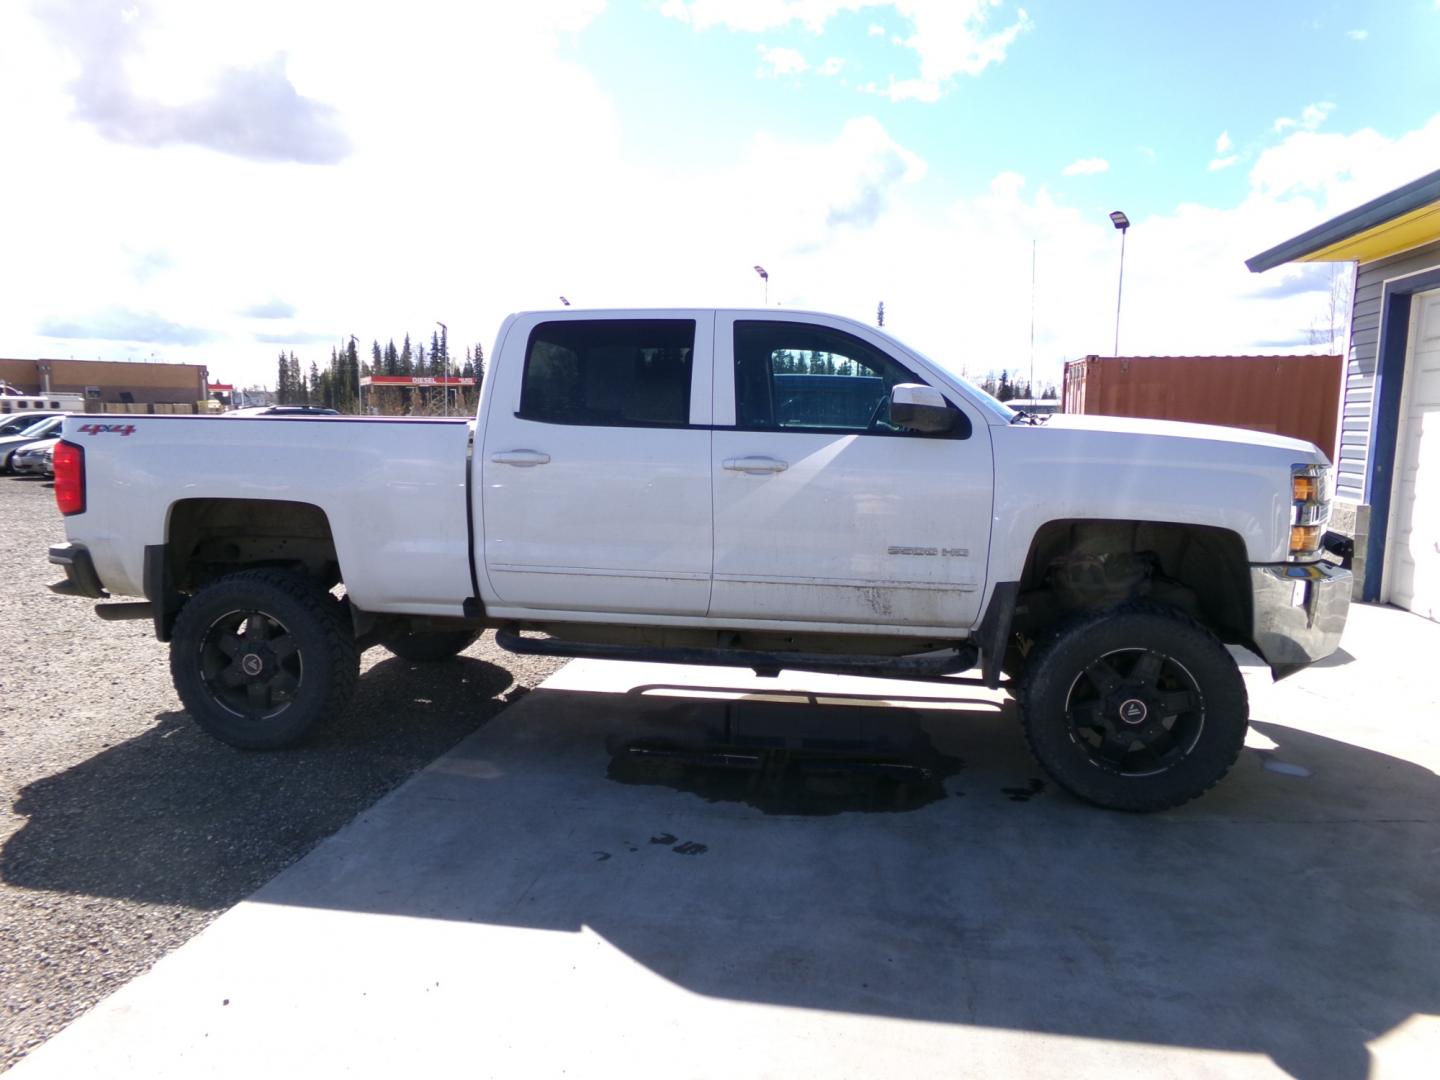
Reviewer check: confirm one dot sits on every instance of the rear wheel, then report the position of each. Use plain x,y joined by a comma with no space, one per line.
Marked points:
260,656
432,646
1136,709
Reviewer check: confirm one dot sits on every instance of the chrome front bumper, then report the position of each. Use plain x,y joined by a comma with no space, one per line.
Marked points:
1299,612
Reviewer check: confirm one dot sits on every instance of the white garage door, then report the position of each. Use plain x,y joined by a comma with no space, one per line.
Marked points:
1412,563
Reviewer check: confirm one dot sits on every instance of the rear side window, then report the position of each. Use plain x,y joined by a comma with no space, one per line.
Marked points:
609,373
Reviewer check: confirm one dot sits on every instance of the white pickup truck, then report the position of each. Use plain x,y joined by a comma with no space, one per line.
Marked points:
761,489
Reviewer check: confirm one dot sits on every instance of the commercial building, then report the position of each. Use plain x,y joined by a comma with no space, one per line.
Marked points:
1388,462
109,382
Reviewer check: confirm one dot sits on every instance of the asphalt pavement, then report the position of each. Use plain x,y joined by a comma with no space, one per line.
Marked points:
125,829
600,881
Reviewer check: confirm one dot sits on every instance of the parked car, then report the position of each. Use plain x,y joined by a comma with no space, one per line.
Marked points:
282,410
655,486
35,459
42,429
14,425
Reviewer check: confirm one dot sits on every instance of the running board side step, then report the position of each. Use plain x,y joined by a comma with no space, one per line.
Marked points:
962,657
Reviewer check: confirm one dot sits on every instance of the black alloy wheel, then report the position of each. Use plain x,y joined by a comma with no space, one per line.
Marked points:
1137,708
1138,712
259,657
251,664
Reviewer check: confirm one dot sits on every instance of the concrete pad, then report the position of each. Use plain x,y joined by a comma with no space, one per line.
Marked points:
513,910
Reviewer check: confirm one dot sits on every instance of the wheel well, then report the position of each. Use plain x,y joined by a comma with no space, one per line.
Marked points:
211,537
1080,565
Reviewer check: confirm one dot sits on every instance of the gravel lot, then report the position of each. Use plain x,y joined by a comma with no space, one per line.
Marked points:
125,830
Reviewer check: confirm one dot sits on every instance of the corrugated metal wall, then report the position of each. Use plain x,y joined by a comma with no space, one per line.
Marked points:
1297,396
1360,371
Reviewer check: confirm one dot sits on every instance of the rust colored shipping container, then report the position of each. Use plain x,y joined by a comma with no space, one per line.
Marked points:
1297,396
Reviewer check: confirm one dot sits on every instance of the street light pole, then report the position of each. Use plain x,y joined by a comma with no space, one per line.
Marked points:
445,359
1121,222
766,278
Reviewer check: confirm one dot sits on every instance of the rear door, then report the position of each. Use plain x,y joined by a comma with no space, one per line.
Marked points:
825,512
595,465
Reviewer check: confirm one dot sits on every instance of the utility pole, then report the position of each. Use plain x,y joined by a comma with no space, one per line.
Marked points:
1031,387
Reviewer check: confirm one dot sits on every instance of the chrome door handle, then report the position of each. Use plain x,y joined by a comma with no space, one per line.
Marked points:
756,465
523,458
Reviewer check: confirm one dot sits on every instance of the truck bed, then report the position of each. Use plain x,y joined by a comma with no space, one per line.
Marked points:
392,489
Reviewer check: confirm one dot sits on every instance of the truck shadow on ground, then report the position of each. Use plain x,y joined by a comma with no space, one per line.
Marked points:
1284,914
175,817
1290,913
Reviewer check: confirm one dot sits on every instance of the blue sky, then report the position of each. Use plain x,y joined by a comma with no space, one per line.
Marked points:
210,182
1147,87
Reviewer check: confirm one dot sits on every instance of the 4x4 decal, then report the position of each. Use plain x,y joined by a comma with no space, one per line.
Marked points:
102,429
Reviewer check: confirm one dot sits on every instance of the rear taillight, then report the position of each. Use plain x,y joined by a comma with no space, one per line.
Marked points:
69,464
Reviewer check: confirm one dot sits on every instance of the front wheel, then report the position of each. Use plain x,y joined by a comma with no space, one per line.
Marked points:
260,656
1136,709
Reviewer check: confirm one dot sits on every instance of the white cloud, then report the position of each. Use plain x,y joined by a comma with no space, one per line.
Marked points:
780,62
1216,164
832,66
1357,35
949,37
451,208
1314,115
1086,167
756,16
1311,117
1223,145
876,30
388,238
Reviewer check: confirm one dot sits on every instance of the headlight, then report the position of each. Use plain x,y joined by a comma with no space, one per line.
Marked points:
1309,509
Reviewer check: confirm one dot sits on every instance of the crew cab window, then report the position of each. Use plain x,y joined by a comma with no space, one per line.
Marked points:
792,376
609,373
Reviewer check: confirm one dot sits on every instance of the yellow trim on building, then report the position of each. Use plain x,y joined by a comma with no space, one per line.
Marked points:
1412,230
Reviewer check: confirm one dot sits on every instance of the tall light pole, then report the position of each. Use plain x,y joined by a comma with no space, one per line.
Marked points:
766,277
445,360
1121,222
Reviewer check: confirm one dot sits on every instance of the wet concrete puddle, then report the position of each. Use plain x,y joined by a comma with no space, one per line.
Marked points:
785,758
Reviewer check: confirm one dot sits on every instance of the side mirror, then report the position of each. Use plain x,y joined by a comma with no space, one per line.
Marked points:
920,408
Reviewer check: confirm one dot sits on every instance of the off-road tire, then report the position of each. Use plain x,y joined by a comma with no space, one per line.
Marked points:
432,646
1076,731
285,627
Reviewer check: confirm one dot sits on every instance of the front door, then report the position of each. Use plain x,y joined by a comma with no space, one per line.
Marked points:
825,511
595,469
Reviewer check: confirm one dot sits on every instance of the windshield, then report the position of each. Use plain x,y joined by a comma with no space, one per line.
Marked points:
40,427
980,397
16,424
995,405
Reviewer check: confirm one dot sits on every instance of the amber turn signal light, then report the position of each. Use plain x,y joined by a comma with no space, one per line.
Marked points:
1304,539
